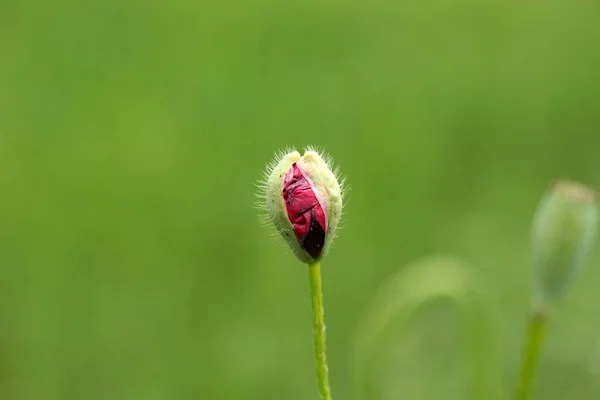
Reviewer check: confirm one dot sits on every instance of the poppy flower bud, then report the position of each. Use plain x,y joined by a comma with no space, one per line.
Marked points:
303,199
564,231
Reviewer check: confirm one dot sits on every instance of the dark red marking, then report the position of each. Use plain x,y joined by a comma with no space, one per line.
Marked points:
304,211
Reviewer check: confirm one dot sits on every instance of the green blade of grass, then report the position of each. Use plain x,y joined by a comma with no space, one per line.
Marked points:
407,295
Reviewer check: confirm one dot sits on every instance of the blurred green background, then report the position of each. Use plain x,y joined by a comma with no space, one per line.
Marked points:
133,264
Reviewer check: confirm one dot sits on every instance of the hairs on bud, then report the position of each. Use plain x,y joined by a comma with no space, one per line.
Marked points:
333,167
263,185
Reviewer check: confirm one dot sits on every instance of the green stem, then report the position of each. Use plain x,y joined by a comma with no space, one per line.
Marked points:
316,296
531,355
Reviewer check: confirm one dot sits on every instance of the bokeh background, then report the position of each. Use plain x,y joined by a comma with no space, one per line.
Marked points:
132,262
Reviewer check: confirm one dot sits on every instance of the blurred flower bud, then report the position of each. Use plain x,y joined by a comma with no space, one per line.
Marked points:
303,199
564,230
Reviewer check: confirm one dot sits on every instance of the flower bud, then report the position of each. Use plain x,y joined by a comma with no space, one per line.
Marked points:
564,231
303,199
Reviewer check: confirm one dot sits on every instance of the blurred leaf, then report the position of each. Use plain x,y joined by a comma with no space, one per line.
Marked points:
385,368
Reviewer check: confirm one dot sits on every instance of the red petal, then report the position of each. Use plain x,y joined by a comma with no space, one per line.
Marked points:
304,211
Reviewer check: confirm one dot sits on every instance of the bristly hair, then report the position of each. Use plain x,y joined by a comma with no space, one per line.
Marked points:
344,188
261,185
332,167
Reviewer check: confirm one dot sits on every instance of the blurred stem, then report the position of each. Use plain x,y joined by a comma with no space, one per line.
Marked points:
316,296
532,350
